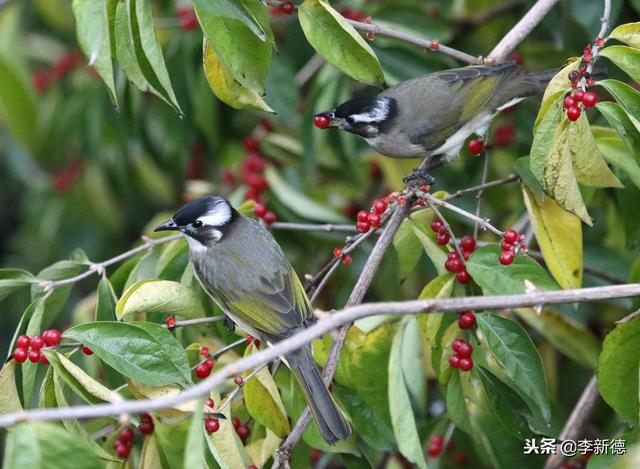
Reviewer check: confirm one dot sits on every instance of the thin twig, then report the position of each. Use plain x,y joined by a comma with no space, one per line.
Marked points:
595,48
513,177
521,30
198,321
485,174
452,236
226,348
308,70
326,324
484,224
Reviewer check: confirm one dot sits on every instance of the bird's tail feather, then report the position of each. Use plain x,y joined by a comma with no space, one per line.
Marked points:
330,421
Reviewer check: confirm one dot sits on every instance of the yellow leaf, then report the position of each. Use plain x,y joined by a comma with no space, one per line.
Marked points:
628,33
559,235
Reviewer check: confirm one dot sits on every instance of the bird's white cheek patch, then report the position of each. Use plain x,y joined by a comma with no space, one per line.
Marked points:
217,216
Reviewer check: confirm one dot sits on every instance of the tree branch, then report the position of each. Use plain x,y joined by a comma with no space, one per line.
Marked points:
513,177
521,30
324,325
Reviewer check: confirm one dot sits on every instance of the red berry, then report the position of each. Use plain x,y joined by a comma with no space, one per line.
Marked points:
126,435
510,236
210,403
379,206
145,417
363,216
34,356
287,7
453,255
41,80
337,252
209,362
204,351
506,246
235,421
255,181
202,371
455,345
467,320
23,341
43,359
251,144
52,337
322,122
465,350
569,101
436,226
243,432
256,342
400,200
346,260
465,364
476,146
253,163
269,218
239,380
146,428
434,450
170,322
252,466
573,113
590,99
442,238
468,243
37,342
260,210
253,194
436,440
363,227
587,57
504,133
228,177
599,42
456,265
20,354
506,257
435,45
371,36
454,361
460,459
211,425
122,450
189,22
463,276
374,219
86,350
578,95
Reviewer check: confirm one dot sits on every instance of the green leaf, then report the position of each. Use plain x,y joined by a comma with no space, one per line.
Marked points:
18,108
545,133
622,123
627,58
9,399
47,446
148,53
233,10
509,408
263,401
124,48
437,255
159,296
498,279
431,323
617,153
628,33
299,203
245,56
402,419
559,235
94,36
150,455
194,447
456,403
13,279
338,42
514,350
34,315
106,308
226,87
618,370
573,340
627,96
558,85
144,351
523,168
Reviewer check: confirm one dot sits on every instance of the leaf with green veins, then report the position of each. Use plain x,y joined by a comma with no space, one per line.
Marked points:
94,36
508,407
456,404
574,341
47,446
626,58
243,55
106,307
338,42
9,399
545,133
13,279
621,122
264,402
236,10
628,33
617,153
558,85
194,447
298,202
588,163
159,297
148,52
627,96
514,350
92,391
124,48
402,418
618,370
224,85
144,351
559,235
437,255
431,323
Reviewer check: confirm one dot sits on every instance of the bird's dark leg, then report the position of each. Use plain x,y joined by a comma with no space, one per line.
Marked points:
229,324
422,174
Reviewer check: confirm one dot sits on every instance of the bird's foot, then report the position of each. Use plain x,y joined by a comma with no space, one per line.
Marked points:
419,177
229,324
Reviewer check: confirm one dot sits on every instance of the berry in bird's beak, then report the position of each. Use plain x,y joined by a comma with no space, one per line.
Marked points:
321,121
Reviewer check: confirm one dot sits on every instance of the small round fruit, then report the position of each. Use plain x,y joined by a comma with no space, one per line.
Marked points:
211,425
463,276
86,350
442,238
476,146
238,380
465,364
269,218
590,99
287,7
578,95
465,350
468,243
455,345
506,246
52,337
434,450
210,403
374,219
251,144
363,216
243,432
202,371
235,421
436,226
23,341
467,320
454,361
506,257
37,342
123,450
126,435
146,428
379,206
573,113
260,210
322,122
511,236
20,354
34,356
569,101
363,227
43,359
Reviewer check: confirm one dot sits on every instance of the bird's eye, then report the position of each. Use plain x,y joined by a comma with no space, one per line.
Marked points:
196,224
351,120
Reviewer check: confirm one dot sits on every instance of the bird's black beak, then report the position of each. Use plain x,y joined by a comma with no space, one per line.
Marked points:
168,226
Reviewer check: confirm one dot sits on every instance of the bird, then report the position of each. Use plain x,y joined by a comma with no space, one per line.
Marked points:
431,116
243,269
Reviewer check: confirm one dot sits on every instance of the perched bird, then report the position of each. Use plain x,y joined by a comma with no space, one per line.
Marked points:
241,266
431,116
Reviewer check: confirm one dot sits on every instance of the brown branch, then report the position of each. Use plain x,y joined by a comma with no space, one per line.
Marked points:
481,187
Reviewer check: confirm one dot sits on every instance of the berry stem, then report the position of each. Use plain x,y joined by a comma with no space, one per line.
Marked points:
452,236
233,395
595,48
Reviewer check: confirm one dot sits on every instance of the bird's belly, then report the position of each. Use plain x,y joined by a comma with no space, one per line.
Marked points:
396,147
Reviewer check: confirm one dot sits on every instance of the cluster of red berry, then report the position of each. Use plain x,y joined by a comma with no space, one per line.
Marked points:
454,263
188,19
285,8
572,103
30,347
503,134
203,369
511,243
124,443
371,219
462,358
346,259
43,79
435,446
242,430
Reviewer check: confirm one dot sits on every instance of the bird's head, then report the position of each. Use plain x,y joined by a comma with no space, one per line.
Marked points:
366,116
203,221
